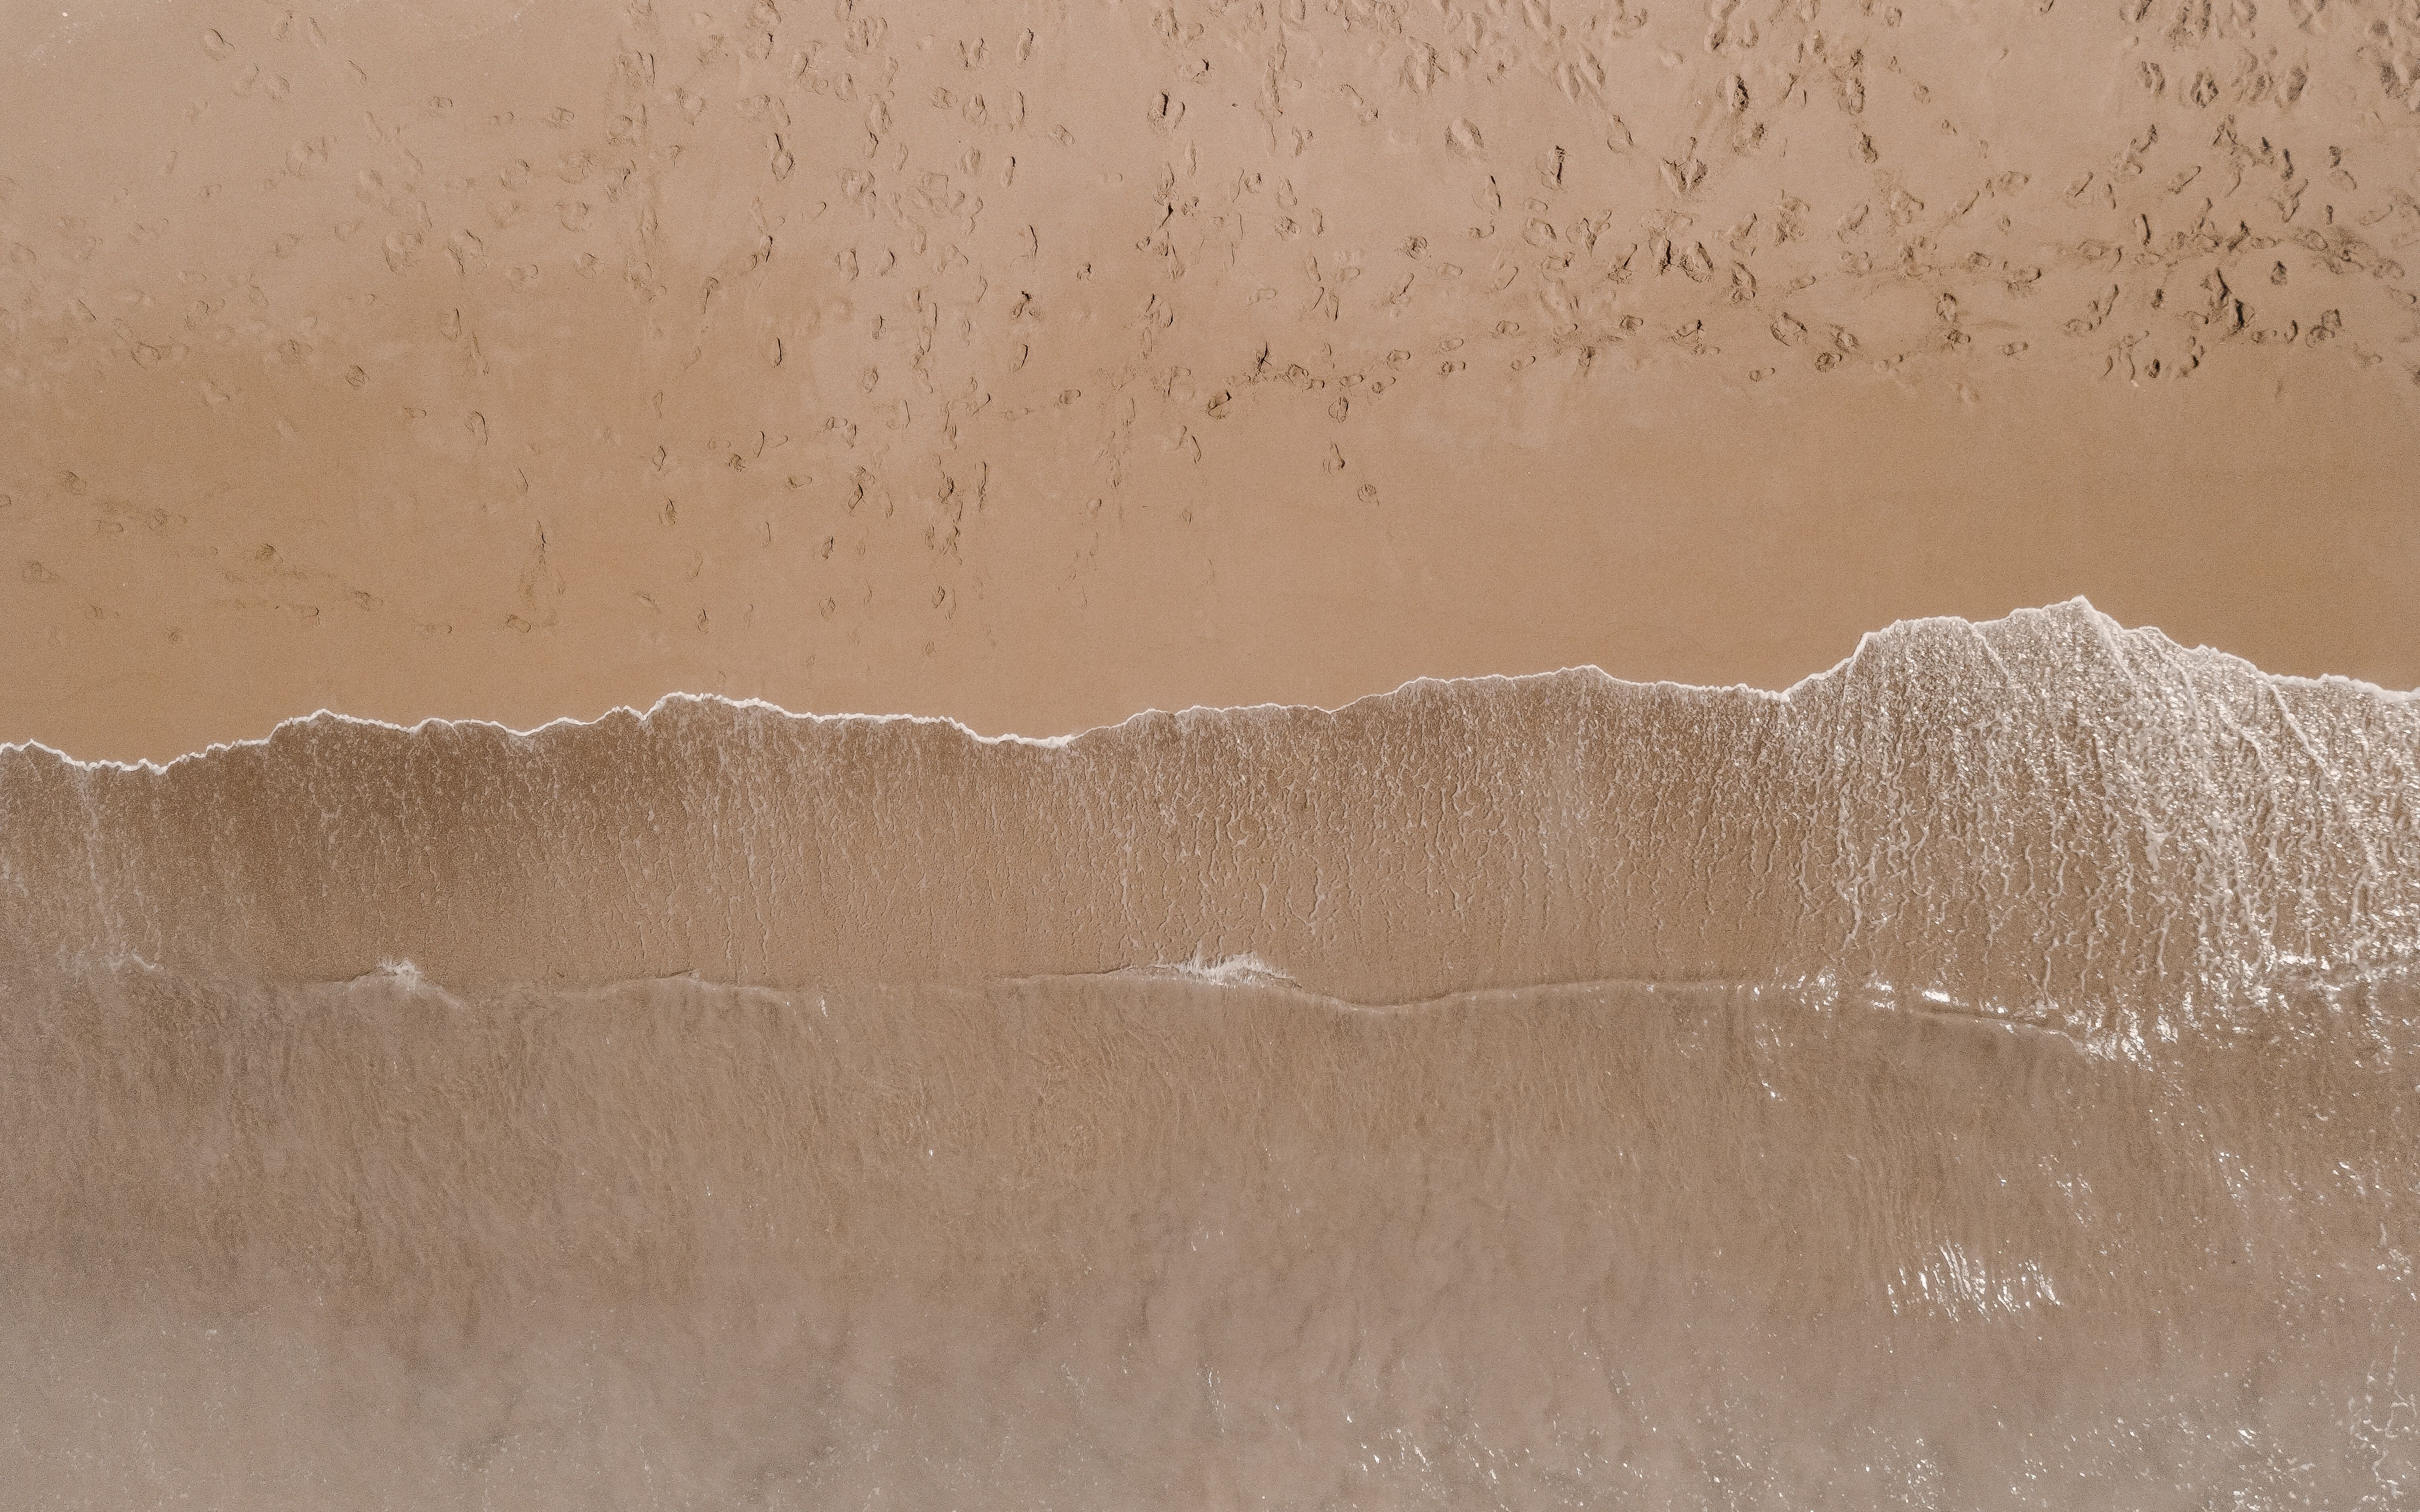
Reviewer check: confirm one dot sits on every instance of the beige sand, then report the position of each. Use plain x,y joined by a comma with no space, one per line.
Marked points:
1982,1078
1036,364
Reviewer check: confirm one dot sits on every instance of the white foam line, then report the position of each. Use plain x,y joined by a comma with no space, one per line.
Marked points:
2107,627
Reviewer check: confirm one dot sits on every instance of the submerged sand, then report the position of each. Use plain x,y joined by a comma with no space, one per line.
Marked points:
1117,1242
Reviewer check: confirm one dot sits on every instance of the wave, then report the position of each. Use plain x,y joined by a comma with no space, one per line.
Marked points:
2047,817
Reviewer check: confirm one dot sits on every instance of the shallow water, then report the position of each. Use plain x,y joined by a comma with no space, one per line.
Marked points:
1980,1077
1122,1241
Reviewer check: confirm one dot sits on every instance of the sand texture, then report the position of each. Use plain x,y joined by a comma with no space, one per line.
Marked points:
1036,363
1979,1077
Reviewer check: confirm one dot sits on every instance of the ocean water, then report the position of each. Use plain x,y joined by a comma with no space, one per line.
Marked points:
1981,1076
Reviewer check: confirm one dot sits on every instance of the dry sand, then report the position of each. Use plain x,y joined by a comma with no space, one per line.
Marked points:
1033,365
1982,1077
